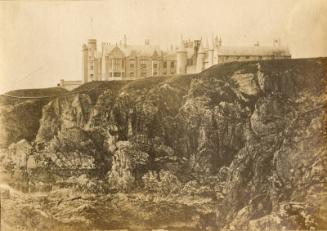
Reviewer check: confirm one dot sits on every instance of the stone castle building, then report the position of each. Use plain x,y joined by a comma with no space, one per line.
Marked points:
195,56
126,62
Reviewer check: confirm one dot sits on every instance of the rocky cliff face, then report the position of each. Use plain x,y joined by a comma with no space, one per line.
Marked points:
238,146
14,122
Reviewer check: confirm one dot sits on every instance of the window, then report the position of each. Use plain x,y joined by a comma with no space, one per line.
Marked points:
131,65
131,74
155,65
164,73
247,57
91,67
116,74
172,65
143,65
165,64
155,73
143,74
117,64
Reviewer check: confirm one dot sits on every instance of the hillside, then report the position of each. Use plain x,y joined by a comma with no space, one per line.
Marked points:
240,146
52,91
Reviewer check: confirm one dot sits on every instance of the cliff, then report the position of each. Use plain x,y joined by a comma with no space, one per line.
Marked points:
238,146
19,118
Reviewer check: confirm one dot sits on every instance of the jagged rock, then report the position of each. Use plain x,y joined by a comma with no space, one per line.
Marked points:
15,125
226,148
247,83
19,152
18,157
271,115
63,113
125,166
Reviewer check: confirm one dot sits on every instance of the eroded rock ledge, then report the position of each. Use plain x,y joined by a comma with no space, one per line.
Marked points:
238,146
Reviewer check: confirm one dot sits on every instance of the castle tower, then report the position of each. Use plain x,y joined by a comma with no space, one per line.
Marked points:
207,44
200,59
181,59
104,74
92,65
218,41
210,54
85,63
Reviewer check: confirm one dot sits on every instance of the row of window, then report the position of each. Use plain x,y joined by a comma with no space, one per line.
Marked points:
131,74
143,65
118,62
155,65
239,57
144,74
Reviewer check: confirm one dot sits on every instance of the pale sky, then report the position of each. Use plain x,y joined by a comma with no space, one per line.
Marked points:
40,42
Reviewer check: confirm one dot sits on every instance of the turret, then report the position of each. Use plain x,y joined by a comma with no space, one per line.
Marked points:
85,63
207,44
92,45
200,59
218,41
210,54
181,57
104,74
92,65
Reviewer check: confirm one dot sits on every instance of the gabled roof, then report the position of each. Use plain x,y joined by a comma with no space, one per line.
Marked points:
155,54
132,50
117,52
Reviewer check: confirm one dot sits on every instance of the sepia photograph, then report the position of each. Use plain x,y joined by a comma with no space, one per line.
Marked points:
163,115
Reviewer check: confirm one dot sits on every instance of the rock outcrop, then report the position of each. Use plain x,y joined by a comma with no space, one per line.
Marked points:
15,125
240,146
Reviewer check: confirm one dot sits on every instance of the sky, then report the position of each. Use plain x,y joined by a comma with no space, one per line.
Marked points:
41,41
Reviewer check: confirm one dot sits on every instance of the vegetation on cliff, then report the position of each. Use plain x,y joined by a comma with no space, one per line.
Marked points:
239,146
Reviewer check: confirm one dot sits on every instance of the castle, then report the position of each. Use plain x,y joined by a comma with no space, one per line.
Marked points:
122,61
